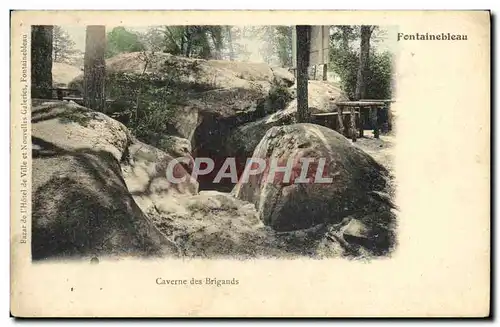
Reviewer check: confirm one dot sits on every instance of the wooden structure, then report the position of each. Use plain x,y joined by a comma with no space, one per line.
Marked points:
343,121
351,117
318,46
385,105
63,92
67,94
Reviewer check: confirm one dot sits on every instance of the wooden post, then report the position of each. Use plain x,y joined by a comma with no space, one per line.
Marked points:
385,120
60,94
353,124
331,122
361,123
325,72
389,117
374,120
340,118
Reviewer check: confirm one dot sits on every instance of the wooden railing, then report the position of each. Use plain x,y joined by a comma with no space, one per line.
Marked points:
68,94
356,113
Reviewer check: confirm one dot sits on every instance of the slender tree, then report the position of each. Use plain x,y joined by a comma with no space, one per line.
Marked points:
366,32
268,36
94,68
230,42
217,40
63,46
41,61
303,35
188,40
284,45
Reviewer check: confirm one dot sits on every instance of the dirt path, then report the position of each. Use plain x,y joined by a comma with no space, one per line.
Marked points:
381,149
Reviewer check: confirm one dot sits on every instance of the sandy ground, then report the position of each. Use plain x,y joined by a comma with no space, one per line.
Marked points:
381,149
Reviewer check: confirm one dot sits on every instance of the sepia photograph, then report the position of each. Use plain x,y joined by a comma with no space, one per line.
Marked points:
213,141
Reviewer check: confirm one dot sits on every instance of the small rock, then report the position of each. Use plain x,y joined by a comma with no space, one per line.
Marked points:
356,228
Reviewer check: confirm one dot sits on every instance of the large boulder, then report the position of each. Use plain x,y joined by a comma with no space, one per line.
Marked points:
205,88
214,224
81,204
322,97
357,180
99,192
145,174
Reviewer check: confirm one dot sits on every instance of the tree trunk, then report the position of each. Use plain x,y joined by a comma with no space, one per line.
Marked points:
217,53
366,31
188,48
55,52
188,42
183,43
302,73
94,68
216,34
230,43
41,61
206,51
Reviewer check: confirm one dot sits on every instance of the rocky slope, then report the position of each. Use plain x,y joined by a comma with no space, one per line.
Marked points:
98,191
222,108
81,204
210,89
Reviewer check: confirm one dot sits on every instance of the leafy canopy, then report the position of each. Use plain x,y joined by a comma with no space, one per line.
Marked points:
119,40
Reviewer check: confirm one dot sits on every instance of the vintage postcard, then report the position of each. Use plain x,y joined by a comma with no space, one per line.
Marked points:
250,163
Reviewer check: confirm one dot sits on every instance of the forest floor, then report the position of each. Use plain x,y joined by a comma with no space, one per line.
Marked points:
381,149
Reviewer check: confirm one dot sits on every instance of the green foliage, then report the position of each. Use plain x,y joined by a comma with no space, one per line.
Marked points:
174,39
153,39
119,40
222,42
379,76
197,41
279,96
344,61
144,102
345,64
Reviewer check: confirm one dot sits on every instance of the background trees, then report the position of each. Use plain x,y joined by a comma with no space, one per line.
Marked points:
120,40
346,46
284,45
270,44
362,70
63,47
194,41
